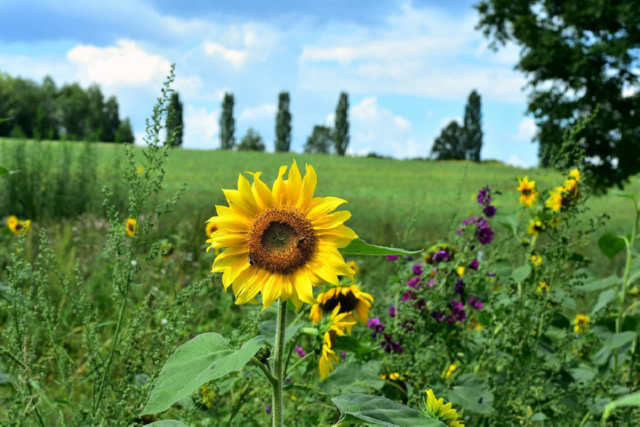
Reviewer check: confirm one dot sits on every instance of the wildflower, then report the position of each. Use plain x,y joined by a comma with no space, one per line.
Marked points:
389,345
438,316
353,266
474,264
536,260
450,371
207,396
18,226
475,303
210,228
348,298
484,196
535,227
458,287
438,253
485,235
489,211
339,324
392,257
581,323
431,282
392,311
444,412
408,325
280,242
408,295
474,325
417,269
139,170
556,199
542,288
376,325
458,311
460,271
395,376
343,355
421,304
574,174
267,409
527,191
408,258
131,227
413,282
300,351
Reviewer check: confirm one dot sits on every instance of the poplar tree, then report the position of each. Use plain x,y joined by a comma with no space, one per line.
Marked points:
175,124
227,123
341,126
473,127
283,123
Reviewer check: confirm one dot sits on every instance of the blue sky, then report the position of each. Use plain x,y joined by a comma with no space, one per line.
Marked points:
408,66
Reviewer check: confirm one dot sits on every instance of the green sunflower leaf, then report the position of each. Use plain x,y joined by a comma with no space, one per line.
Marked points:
521,273
204,358
611,245
632,399
379,410
360,247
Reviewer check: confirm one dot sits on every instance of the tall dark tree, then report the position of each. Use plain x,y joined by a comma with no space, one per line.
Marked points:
111,119
74,106
96,114
283,123
577,55
341,126
320,140
473,127
449,145
252,141
175,124
124,133
227,123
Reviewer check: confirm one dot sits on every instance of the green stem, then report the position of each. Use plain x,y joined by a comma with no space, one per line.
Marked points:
277,401
27,382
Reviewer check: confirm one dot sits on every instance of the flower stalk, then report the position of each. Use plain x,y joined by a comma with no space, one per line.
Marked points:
277,401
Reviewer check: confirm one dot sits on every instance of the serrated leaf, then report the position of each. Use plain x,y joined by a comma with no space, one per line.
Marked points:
353,377
379,410
521,273
360,247
198,361
603,299
611,244
632,399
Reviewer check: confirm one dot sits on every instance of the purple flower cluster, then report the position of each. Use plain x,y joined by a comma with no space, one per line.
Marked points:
484,198
300,351
441,256
414,282
475,303
389,345
484,232
392,257
392,311
458,311
376,325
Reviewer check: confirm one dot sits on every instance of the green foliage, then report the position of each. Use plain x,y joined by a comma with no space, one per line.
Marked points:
320,140
341,126
124,134
283,123
360,247
227,123
577,56
362,408
175,124
449,145
473,127
251,141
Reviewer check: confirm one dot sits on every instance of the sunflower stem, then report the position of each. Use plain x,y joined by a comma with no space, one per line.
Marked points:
277,402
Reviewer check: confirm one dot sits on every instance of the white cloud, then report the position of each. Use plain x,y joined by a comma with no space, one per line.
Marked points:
125,64
188,85
526,129
235,57
514,160
240,44
201,128
258,113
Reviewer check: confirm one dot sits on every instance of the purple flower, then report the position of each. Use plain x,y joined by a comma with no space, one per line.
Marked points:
406,297
392,257
489,211
484,196
267,409
392,311
438,316
413,283
482,223
474,264
441,256
408,325
458,311
431,282
376,325
450,320
485,235
389,345
408,258
417,269
471,220
421,304
475,303
491,274
459,231
343,355
459,287
300,351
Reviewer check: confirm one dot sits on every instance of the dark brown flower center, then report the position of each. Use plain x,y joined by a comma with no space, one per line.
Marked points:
347,303
281,241
526,191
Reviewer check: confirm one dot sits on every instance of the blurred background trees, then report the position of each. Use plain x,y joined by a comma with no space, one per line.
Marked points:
227,123
283,123
457,142
175,124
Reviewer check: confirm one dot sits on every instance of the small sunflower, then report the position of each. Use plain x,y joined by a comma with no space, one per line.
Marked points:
460,270
581,323
536,260
340,323
353,266
350,299
575,174
131,227
535,227
542,288
450,371
527,190
444,412
18,226
207,396
280,242
210,228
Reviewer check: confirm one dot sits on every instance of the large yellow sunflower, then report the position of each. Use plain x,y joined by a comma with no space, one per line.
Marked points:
280,242
18,226
443,411
340,323
348,298
527,190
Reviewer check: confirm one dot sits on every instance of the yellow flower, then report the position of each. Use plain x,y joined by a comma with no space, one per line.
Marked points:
353,266
139,170
535,227
527,190
460,271
348,298
207,396
575,174
383,376
210,228
536,260
581,323
17,226
444,412
280,242
340,324
542,288
474,325
556,199
132,226
450,371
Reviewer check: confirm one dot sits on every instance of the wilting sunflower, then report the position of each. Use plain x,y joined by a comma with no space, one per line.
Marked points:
17,226
444,412
280,242
340,323
542,288
348,298
535,227
132,226
210,228
527,190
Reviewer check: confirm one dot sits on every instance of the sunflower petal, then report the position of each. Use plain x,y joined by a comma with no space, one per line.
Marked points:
332,220
323,205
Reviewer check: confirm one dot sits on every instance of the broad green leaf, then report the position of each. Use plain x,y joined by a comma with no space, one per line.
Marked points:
632,399
624,195
620,339
538,416
521,273
583,373
353,377
168,423
198,361
473,396
508,221
268,330
599,284
360,247
353,345
611,245
379,410
603,299
602,356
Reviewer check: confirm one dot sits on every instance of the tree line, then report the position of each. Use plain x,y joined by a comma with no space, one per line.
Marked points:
69,112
